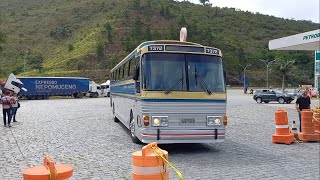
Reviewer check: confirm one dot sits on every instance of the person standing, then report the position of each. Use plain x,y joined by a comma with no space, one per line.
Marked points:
6,102
303,102
14,107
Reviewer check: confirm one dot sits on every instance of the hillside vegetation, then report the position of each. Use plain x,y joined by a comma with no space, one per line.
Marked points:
88,37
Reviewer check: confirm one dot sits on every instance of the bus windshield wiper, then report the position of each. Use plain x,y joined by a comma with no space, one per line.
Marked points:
203,85
181,79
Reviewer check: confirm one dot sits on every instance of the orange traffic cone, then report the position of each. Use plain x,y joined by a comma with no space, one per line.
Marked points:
282,129
48,171
147,164
307,127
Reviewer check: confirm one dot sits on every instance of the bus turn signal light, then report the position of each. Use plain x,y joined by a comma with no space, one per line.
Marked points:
146,120
225,120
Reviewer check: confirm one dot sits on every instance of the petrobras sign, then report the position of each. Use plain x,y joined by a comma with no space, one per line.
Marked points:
311,36
317,63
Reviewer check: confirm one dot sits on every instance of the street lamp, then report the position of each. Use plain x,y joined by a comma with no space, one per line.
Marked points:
244,76
268,65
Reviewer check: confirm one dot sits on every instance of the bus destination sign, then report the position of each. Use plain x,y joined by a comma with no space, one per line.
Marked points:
212,51
156,48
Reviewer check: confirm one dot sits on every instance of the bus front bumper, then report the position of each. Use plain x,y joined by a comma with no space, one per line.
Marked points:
168,136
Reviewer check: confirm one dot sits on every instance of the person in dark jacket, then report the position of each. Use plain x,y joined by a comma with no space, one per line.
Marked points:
303,102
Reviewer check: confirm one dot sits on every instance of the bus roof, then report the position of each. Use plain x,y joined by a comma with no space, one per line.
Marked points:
136,52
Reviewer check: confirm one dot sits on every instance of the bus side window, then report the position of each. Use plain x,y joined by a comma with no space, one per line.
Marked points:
132,68
136,73
126,72
128,69
118,74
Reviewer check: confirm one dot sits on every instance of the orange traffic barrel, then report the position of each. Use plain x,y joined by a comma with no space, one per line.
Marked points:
308,132
48,171
316,120
283,134
148,164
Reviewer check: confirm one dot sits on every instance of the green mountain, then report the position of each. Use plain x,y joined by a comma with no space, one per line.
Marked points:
88,37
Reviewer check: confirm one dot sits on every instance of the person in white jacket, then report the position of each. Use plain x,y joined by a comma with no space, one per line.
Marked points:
7,102
14,107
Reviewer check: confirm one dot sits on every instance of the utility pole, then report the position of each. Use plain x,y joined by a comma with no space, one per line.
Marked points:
244,77
268,65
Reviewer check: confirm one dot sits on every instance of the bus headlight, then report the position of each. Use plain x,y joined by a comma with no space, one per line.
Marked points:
217,121
213,121
156,122
159,120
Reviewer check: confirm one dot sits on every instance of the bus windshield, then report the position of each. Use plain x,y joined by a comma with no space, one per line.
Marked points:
182,72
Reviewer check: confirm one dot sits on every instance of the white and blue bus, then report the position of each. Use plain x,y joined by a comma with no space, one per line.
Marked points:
171,92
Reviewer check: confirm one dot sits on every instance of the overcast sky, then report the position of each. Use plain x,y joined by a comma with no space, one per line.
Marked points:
296,9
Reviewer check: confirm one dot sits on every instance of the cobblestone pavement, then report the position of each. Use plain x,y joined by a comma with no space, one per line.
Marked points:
81,132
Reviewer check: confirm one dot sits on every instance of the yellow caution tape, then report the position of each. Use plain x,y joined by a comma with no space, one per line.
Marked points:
301,144
49,174
55,171
159,153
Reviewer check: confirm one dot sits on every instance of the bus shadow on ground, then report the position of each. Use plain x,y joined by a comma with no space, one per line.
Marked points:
187,148
177,148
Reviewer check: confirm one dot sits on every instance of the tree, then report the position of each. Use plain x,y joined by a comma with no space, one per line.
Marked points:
284,67
136,30
100,49
204,2
108,28
136,4
148,35
162,11
128,45
167,13
2,40
36,61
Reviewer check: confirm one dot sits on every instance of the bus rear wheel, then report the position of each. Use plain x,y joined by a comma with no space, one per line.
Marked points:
133,130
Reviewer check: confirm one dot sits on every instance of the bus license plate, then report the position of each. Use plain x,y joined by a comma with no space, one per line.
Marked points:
187,122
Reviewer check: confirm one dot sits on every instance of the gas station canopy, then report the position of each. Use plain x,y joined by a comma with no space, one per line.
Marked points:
309,41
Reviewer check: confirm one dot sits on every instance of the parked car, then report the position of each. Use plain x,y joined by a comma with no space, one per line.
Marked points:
295,92
267,95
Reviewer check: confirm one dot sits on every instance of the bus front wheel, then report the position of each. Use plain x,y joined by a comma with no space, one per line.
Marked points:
133,130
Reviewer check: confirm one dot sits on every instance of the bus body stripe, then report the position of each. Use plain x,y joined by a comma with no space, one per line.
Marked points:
138,98
282,126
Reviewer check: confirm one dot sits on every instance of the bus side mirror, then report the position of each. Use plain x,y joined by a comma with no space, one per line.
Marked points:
136,73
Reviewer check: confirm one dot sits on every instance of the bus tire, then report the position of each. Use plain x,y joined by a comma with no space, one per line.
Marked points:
108,95
133,129
115,119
